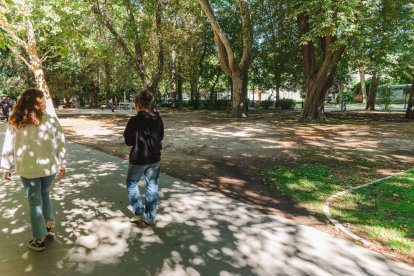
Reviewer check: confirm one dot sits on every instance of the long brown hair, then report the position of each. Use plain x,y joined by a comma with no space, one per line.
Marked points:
27,110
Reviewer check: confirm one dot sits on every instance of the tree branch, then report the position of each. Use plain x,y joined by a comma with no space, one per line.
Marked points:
19,56
220,34
7,28
112,30
247,35
139,59
307,49
222,55
156,77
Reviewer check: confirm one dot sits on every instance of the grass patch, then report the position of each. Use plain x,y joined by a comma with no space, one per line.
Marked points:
383,212
309,184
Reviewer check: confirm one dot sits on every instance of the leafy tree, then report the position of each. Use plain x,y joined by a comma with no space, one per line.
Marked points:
237,72
143,27
17,28
325,28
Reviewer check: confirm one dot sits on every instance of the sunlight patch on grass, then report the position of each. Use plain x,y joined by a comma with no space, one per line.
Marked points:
310,184
382,212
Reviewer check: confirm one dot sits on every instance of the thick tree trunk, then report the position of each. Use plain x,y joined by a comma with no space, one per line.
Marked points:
372,95
410,105
179,87
363,85
317,88
239,95
318,78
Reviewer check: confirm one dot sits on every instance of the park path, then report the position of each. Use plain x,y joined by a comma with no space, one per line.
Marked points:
198,232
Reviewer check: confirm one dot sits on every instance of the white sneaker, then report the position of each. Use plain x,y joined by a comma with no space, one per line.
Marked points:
136,219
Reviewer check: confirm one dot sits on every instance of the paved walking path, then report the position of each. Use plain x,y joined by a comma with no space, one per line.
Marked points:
198,232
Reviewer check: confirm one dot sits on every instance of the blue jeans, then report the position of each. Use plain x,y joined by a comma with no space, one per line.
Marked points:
37,191
151,173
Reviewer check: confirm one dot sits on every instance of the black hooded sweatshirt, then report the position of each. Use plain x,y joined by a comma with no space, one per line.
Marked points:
144,133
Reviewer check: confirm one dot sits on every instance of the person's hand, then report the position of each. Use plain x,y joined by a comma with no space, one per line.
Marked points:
62,173
7,175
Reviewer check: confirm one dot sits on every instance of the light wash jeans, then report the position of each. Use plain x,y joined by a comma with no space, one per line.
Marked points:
151,173
37,191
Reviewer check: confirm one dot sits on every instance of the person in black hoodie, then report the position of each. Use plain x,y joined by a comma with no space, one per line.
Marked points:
144,133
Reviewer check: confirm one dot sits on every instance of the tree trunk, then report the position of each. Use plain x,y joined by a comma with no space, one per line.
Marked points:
317,87
410,105
363,85
239,95
277,92
30,47
195,95
318,79
372,95
237,72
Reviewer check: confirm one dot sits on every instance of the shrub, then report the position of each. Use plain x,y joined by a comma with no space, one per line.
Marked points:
214,104
285,104
346,96
266,104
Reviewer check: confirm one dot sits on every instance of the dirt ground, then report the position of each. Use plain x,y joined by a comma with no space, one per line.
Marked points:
225,154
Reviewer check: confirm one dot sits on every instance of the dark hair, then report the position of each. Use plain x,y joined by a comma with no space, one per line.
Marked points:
144,99
27,110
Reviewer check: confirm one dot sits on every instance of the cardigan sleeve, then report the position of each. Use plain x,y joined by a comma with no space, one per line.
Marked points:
7,156
61,150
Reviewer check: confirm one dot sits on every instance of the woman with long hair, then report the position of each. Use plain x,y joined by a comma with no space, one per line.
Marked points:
35,146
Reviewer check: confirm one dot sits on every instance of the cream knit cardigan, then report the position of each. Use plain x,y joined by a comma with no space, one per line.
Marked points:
35,151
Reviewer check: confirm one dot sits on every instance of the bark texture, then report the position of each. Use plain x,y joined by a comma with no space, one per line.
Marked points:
372,95
319,78
33,61
363,85
409,114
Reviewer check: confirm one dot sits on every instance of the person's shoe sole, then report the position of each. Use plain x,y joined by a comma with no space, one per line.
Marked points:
136,219
31,246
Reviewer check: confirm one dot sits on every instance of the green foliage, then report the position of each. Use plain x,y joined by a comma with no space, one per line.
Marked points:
285,104
266,104
346,96
385,97
213,104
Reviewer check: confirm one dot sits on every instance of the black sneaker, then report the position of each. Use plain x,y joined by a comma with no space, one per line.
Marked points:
50,233
36,245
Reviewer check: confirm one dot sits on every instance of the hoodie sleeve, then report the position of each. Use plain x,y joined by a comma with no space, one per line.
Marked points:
161,130
7,156
129,133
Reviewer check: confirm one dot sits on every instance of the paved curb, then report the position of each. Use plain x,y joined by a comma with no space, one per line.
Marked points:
340,226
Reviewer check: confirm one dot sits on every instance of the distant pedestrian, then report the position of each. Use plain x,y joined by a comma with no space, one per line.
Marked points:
144,133
34,145
110,104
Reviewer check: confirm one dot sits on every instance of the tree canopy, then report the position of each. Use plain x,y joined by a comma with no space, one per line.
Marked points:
93,50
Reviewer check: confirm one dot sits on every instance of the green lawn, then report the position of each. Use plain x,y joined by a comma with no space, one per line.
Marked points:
382,212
